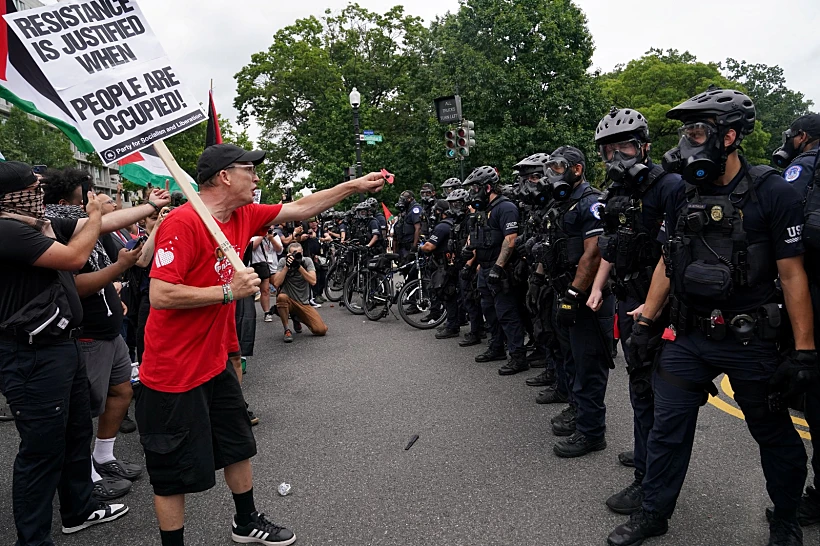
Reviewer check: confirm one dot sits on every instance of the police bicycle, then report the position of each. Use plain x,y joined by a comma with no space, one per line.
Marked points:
355,285
341,263
416,301
381,289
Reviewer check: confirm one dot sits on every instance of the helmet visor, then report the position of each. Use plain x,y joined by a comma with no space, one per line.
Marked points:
697,133
628,149
557,167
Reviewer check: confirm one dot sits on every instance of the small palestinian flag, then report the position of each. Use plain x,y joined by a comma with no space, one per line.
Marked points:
213,134
145,167
24,85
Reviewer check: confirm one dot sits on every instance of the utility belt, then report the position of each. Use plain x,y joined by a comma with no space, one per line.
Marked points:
24,338
764,323
633,285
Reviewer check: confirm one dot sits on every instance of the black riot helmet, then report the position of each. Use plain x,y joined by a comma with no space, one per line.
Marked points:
441,208
561,176
449,185
620,138
808,125
532,183
701,155
362,210
372,203
405,200
456,200
480,183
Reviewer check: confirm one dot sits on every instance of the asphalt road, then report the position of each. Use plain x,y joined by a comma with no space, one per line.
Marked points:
337,412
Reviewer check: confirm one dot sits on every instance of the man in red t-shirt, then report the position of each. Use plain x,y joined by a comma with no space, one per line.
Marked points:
190,412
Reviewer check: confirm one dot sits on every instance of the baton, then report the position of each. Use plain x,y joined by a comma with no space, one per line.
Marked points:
607,346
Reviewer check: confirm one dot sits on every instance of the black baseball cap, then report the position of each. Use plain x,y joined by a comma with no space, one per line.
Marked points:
15,176
809,124
573,155
217,157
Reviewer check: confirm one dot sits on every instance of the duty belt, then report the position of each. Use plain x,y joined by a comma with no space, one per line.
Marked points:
764,323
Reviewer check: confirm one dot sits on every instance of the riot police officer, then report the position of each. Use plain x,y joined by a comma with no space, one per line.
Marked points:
634,205
469,297
444,277
428,200
493,237
449,185
738,229
408,227
373,232
800,146
798,153
378,214
571,267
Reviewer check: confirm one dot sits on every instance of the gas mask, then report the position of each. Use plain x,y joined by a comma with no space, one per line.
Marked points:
404,202
401,206
624,162
784,155
456,211
479,197
700,156
560,178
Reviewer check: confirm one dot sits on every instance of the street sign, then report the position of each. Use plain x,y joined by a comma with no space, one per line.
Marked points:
371,138
370,142
368,131
448,109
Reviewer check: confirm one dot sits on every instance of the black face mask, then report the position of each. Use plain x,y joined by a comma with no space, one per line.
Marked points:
629,171
456,215
401,206
560,186
784,155
479,198
696,164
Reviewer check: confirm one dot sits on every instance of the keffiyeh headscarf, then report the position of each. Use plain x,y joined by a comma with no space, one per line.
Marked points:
26,203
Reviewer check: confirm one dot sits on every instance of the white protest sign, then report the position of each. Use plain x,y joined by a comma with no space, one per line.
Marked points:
110,70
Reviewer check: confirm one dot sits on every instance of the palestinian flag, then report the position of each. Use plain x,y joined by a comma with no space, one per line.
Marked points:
212,135
23,84
145,167
387,213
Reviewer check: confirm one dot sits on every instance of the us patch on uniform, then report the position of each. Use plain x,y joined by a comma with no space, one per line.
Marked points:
793,173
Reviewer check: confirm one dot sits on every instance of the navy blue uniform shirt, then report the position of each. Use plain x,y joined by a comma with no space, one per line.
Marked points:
583,219
411,217
440,237
800,171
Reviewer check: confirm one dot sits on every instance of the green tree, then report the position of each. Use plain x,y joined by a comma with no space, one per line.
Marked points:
659,81
777,105
34,142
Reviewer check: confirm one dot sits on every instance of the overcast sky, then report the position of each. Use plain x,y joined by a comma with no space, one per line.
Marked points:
215,38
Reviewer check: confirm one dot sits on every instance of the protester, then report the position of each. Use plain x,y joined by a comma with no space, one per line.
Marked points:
192,288
264,258
295,276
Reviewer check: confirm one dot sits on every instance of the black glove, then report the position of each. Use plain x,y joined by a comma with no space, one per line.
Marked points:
534,292
467,273
569,305
467,254
637,346
796,374
496,275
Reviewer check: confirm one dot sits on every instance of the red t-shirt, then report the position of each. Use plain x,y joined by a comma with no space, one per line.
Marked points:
185,348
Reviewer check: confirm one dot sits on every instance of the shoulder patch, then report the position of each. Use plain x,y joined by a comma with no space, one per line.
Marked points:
416,210
793,173
595,209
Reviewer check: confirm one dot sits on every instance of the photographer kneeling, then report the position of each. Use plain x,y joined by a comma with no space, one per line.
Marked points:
293,280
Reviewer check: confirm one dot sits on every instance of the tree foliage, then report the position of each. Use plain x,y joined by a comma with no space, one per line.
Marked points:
34,142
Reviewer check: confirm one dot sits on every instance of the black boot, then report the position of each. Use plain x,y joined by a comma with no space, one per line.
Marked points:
564,424
627,458
447,334
629,500
567,414
578,445
808,513
550,396
543,379
517,363
469,340
490,356
785,533
641,525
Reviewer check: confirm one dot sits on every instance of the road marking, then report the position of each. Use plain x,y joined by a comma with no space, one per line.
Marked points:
719,403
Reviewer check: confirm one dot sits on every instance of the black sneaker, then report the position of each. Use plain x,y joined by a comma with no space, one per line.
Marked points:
108,489
515,365
628,501
297,326
578,445
490,356
261,531
118,469
550,396
447,334
543,379
469,340
103,514
785,533
128,425
627,458
641,525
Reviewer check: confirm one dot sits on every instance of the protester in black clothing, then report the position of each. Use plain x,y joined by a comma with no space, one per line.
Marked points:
43,375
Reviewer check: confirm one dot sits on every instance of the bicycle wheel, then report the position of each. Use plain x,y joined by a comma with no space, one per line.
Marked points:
378,297
354,291
335,282
417,308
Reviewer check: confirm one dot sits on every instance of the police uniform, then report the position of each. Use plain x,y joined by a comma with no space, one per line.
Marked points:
382,225
633,220
407,224
585,356
751,222
443,278
800,171
375,228
499,305
469,296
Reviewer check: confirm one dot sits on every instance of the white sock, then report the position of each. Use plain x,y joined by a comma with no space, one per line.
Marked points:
95,477
104,450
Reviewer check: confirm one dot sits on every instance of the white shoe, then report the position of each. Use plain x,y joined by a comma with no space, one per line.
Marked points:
103,514
314,304
268,317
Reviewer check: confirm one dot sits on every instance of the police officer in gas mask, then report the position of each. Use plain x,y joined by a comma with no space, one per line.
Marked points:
428,201
571,266
493,237
408,226
800,148
469,297
634,205
798,153
737,230
449,185
444,277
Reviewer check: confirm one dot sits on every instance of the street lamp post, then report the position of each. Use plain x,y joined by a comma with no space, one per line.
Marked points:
355,101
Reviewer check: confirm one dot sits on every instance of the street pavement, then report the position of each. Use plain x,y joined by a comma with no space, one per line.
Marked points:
337,412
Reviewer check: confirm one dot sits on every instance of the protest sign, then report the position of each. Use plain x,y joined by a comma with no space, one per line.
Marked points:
110,70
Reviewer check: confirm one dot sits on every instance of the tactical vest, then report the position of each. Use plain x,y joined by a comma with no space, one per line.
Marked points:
484,238
627,244
561,253
710,255
448,247
811,213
